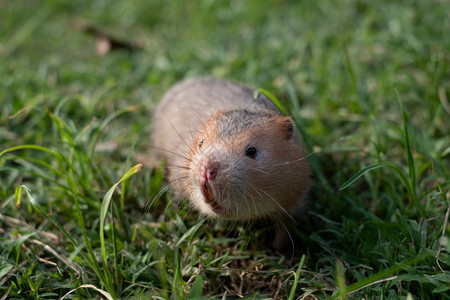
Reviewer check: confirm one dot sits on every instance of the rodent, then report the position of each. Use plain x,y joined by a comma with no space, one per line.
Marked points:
231,155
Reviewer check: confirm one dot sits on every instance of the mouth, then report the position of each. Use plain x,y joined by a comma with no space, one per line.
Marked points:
209,198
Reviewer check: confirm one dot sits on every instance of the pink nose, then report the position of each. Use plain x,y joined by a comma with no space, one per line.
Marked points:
208,171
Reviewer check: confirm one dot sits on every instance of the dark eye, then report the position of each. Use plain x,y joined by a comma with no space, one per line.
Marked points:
200,144
251,152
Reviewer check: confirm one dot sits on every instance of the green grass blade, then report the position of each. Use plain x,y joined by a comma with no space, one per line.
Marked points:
386,273
33,147
63,128
364,170
190,232
103,211
350,72
91,258
65,188
272,98
340,280
102,126
178,282
58,156
312,158
24,32
409,157
18,195
33,202
197,288
297,277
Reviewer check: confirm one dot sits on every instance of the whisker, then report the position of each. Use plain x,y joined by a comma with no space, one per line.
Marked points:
172,152
295,160
291,239
283,210
262,171
178,167
156,198
178,133
239,188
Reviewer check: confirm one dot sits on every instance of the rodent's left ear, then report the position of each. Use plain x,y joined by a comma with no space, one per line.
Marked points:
286,126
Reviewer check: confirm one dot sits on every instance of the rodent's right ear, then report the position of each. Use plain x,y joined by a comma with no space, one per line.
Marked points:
286,126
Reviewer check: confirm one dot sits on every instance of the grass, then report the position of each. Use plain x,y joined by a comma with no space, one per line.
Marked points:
367,83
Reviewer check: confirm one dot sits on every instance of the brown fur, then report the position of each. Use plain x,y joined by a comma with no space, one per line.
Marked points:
203,128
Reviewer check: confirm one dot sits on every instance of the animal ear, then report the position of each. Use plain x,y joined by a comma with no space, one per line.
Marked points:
286,126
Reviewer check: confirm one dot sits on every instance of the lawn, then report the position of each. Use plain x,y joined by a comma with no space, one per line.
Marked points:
367,82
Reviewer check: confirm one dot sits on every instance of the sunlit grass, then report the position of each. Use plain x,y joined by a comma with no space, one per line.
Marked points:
366,83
